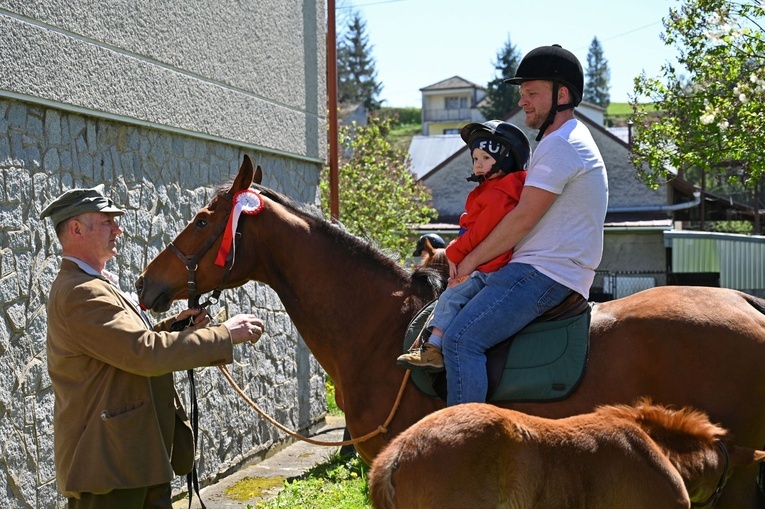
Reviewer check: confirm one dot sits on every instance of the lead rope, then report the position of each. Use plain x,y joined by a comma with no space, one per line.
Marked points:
380,429
192,479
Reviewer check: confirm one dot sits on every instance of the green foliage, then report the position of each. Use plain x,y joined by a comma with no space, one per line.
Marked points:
741,227
339,484
712,119
379,196
401,116
356,75
502,98
598,76
405,124
332,408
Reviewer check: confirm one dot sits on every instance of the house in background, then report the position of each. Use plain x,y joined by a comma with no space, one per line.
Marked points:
450,104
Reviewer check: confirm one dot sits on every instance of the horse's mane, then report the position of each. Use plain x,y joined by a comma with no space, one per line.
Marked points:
425,283
667,425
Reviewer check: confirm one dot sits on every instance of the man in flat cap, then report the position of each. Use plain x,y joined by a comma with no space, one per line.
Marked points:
120,432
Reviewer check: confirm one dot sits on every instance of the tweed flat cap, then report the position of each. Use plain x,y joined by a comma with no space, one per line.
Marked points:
78,201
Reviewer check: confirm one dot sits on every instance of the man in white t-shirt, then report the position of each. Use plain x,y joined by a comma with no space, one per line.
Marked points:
555,231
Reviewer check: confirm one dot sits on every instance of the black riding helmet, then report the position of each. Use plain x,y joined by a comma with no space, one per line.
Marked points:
552,63
515,152
435,240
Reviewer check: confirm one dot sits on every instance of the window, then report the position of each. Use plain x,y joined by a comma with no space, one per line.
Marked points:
455,103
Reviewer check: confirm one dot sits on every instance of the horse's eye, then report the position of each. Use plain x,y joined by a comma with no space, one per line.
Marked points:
201,223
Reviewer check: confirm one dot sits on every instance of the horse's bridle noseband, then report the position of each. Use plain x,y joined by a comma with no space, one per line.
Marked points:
192,264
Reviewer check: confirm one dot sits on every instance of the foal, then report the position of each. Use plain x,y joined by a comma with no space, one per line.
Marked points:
481,456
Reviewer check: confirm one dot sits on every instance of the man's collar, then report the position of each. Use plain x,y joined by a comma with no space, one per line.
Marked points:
84,266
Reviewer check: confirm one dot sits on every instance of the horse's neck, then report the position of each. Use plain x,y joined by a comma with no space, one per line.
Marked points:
341,303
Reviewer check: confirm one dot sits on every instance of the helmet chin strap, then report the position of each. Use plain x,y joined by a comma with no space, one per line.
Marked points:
554,109
494,168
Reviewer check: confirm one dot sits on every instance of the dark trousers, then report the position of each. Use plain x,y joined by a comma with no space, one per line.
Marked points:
152,497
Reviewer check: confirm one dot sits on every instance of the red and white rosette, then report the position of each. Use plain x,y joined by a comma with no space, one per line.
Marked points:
246,201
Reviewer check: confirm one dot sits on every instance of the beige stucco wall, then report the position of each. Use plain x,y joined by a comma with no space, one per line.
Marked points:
252,73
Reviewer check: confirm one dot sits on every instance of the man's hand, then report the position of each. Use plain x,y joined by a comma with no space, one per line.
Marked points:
244,328
190,319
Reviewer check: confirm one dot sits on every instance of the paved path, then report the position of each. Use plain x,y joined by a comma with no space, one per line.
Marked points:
290,462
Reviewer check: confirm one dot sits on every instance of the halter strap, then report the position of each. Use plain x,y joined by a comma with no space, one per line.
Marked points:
712,499
192,262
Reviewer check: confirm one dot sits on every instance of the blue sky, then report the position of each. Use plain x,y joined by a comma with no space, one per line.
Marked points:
416,43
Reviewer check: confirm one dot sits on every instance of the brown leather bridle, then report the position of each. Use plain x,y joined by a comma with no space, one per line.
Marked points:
192,264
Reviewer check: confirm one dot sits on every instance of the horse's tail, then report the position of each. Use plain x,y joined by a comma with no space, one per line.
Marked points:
381,490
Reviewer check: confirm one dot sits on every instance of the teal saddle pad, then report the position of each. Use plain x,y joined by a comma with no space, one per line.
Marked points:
543,362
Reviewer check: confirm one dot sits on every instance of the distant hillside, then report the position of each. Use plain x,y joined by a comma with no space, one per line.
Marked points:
407,124
618,114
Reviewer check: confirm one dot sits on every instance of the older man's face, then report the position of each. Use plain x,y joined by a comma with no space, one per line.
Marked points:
98,233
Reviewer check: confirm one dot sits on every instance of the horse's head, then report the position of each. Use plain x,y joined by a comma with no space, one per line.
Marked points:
436,259
187,268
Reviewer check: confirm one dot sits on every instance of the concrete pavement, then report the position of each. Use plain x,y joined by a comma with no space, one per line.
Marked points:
288,463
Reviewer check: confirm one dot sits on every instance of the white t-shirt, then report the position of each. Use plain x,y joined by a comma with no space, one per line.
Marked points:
567,243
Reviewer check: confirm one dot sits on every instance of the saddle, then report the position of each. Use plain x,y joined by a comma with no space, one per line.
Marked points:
545,361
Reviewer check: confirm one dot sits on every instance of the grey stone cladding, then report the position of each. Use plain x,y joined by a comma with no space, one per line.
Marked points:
161,178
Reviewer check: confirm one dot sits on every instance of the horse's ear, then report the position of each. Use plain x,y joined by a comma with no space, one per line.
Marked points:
428,247
244,178
258,175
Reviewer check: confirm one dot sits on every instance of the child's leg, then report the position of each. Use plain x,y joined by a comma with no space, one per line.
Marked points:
435,337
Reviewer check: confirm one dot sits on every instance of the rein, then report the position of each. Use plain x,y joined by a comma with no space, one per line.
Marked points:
712,499
380,429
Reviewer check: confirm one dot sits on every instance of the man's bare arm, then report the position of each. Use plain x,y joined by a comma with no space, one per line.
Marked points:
516,224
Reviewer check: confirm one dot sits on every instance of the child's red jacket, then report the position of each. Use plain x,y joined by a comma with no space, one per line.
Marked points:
485,206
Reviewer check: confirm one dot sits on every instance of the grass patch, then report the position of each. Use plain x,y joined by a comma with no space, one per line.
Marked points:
401,135
251,487
341,483
332,408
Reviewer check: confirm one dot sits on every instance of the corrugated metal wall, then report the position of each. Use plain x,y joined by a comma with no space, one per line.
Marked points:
740,259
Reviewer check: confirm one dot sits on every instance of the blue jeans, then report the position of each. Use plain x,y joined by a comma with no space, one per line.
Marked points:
454,298
513,296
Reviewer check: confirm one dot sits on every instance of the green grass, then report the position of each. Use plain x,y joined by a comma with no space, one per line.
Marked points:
618,110
332,408
401,135
341,483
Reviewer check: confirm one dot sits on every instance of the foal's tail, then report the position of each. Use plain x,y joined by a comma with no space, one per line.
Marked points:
381,489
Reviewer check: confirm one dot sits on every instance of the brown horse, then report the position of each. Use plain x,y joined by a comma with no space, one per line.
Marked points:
435,258
631,457
681,346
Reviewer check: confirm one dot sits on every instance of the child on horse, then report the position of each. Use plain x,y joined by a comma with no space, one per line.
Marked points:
500,153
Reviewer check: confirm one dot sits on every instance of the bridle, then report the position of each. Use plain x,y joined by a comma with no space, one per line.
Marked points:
712,499
192,264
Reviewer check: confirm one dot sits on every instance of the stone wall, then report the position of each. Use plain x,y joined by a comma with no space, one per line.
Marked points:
161,178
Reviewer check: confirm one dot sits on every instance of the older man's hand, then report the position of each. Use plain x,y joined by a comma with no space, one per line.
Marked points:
244,328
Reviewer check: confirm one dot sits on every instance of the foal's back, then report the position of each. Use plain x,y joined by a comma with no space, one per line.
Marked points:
481,456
